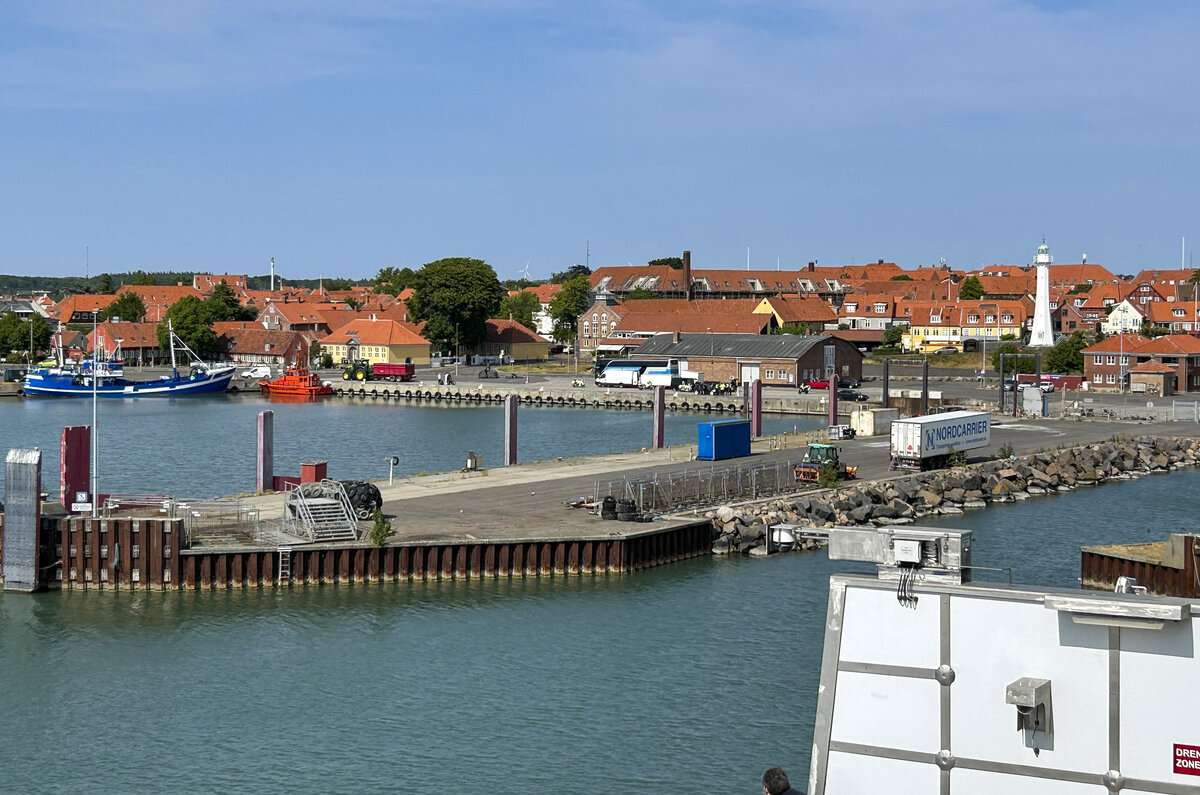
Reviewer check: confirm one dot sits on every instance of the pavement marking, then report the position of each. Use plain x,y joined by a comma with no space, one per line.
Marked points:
1019,426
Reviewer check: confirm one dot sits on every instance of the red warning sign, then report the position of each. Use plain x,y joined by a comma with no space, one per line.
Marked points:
1187,759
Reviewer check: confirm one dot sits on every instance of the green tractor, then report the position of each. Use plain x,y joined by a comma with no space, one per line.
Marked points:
818,456
358,370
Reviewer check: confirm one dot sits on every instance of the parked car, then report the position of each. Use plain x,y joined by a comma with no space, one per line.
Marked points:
1047,387
257,371
851,394
847,383
1008,385
946,349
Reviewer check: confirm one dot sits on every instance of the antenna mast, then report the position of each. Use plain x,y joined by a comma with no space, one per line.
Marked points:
272,274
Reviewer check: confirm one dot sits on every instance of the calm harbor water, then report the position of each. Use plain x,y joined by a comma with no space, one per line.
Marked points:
693,677
204,447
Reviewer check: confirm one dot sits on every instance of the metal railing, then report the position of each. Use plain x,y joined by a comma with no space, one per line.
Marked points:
319,511
669,492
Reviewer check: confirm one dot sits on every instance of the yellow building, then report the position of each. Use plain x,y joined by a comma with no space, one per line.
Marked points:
935,325
377,341
510,338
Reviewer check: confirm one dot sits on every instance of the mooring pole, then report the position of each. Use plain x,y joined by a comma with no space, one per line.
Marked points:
510,430
265,460
756,408
660,417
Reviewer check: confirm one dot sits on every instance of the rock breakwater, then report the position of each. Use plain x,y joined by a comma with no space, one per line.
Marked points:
906,498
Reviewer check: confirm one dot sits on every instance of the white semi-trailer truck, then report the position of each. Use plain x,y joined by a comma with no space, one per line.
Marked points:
927,442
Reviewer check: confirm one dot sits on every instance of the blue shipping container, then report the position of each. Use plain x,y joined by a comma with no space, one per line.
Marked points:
723,439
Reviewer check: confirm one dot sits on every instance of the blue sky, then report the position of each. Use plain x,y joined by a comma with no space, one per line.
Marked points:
342,137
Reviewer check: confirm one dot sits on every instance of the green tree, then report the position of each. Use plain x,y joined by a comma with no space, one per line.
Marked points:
326,360
894,335
391,281
670,262
193,323
563,277
642,294
353,303
128,306
15,337
106,284
971,289
1082,287
521,308
571,302
10,333
456,297
901,277
141,278
1195,277
1067,355
223,305
382,530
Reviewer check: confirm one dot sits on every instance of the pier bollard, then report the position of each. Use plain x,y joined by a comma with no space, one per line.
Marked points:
660,415
265,468
756,408
510,430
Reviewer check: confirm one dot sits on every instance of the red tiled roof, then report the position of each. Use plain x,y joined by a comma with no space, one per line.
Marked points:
802,309
1118,343
1163,312
1170,345
511,332
1153,367
132,335
375,332
81,303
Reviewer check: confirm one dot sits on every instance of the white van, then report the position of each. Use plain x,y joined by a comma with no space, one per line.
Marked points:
258,371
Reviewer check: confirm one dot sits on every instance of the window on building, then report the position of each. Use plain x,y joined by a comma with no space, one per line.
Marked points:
990,319
770,374
1111,378
1112,360
1006,318
880,307
595,317
972,318
1124,360
935,318
851,306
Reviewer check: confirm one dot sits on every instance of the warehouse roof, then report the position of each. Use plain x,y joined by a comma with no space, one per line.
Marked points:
742,346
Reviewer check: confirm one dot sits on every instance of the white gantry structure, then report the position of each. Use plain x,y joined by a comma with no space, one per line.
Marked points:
1042,334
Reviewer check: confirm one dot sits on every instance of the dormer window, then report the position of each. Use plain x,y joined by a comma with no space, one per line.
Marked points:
1006,318
851,306
1178,312
881,308
935,318
972,318
990,319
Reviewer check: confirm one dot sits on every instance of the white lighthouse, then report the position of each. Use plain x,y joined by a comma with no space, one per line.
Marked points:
1042,334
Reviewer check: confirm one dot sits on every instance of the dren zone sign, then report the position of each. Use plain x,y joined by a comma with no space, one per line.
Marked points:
1187,759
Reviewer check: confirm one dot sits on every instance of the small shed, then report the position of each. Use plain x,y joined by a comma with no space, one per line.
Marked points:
1152,378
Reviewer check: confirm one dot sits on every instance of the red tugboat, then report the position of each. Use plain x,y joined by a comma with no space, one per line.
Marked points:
296,381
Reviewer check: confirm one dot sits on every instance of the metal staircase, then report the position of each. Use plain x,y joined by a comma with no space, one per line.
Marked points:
320,512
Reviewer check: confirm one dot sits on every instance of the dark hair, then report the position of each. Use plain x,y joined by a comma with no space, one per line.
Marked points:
776,781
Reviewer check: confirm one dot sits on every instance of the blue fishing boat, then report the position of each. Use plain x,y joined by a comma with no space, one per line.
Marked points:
104,376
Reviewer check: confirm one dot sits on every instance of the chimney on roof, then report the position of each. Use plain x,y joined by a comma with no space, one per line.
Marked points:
812,266
687,275
675,336
879,262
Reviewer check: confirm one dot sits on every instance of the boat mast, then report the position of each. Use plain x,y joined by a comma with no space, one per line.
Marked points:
171,338
95,427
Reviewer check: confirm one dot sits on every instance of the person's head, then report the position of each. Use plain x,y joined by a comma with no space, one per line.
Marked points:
775,781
